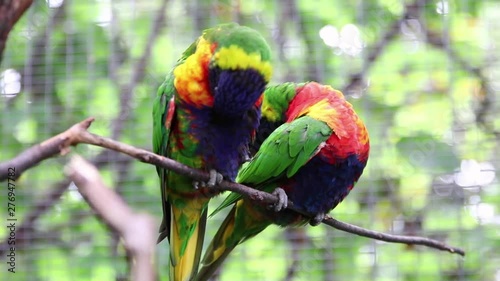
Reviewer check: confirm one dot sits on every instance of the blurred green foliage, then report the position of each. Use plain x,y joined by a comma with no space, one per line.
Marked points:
421,99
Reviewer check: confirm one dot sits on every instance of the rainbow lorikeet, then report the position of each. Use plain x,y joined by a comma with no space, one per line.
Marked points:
314,157
205,114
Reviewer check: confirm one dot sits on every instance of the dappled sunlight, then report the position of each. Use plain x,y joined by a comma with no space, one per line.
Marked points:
484,213
54,3
442,7
346,41
473,173
10,83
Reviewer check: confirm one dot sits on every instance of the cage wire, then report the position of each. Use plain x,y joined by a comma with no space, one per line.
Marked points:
422,74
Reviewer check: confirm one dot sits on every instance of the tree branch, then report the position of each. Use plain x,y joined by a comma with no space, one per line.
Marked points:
78,134
138,230
32,156
26,232
10,12
409,240
26,229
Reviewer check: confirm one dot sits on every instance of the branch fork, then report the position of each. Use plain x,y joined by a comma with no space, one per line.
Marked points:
78,133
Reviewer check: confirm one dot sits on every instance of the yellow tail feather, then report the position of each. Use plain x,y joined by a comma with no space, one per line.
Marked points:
185,255
243,222
217,251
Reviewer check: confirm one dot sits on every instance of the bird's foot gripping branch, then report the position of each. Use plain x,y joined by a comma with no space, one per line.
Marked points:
78,134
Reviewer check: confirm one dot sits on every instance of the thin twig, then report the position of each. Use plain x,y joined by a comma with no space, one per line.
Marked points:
409,240
137,230
79,134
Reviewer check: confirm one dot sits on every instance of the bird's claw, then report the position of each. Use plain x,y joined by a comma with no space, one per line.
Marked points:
245,153
318,218
215,178
246,158
282,202
199,184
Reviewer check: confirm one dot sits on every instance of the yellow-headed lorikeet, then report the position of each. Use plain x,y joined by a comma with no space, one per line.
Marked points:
205,114
314,156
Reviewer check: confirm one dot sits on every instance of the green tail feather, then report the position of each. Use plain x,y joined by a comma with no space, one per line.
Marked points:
211,262
243,222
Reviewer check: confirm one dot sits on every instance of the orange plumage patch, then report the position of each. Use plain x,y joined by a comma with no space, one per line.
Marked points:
191,77
350,135
315,100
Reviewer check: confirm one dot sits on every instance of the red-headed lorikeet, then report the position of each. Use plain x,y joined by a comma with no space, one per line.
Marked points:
205,114
315,155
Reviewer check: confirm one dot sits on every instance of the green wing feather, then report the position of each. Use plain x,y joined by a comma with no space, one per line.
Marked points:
165,93
164,104
161,108
287,149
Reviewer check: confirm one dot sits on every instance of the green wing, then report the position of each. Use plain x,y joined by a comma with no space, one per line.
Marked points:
287,149
164,104
163,112
160,109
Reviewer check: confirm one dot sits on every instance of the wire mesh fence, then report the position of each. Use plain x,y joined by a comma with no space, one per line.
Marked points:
422,74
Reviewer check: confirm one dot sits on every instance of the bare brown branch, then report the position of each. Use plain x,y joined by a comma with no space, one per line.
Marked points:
27,230
10,12
137,230
78,134
56,145
409,240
